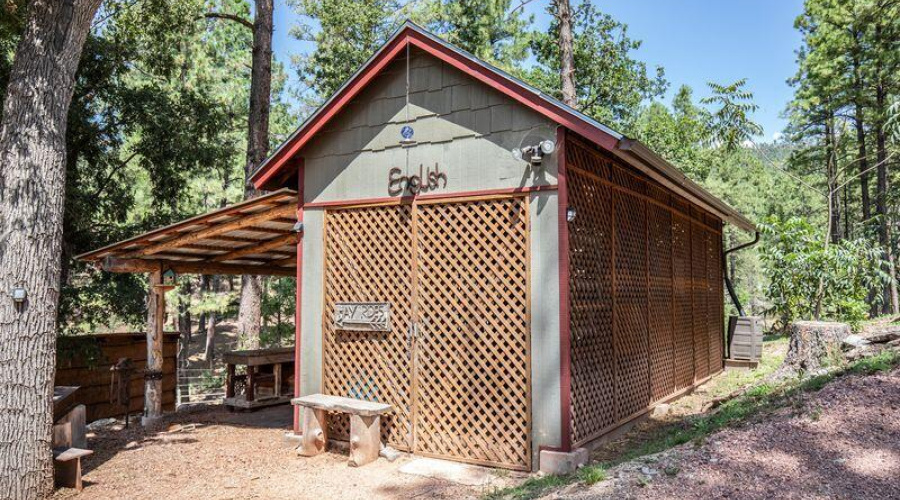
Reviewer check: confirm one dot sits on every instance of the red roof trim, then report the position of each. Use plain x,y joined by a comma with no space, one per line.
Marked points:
269,172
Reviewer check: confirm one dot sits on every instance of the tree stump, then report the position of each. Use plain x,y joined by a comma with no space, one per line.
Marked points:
813,346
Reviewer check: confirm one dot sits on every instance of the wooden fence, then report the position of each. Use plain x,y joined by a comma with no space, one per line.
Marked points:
85,361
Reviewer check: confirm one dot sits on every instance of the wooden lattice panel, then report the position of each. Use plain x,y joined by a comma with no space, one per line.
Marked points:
645,292
700,296
472,381
684,333
715,303
369,258
662,338
630,321
590,291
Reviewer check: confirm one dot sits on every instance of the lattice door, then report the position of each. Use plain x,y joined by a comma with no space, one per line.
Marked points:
369,258
472,372
459,274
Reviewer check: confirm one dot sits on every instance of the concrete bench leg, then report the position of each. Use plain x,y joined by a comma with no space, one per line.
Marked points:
314,429
365,439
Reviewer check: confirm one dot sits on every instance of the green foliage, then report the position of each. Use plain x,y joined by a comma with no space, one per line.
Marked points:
610,83
731,124
809,278
345,34
488,29
592,475
223,303
278,307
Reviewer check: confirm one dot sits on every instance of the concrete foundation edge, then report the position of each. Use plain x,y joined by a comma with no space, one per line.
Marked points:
563,462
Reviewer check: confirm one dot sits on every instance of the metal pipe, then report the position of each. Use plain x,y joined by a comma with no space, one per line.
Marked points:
728,284
730,287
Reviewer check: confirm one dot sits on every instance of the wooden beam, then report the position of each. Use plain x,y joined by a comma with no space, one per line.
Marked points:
116,265
240,222
280,262
287,239
267,230
156,318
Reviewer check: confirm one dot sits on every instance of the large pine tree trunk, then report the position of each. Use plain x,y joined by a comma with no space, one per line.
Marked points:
257,148
566,53
32,183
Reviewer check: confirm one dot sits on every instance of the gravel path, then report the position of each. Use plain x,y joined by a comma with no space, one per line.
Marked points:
840,443
217,455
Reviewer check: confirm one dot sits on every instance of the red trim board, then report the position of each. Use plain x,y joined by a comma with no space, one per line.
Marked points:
298,313
565,338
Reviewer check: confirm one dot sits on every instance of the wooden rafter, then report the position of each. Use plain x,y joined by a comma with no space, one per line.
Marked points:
241,222
265,246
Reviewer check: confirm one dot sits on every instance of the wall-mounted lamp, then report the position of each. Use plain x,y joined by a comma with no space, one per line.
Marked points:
570,214
19,295
535,153
298,227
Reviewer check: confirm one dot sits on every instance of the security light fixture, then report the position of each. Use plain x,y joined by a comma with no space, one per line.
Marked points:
534,153
18,295
570,214
298,227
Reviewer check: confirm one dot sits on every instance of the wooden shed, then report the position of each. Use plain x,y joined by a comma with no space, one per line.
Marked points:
516,279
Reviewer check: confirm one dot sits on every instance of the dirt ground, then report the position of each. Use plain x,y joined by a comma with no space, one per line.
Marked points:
842,442
210,453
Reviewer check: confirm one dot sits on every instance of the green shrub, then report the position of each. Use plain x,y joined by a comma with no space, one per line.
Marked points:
810,278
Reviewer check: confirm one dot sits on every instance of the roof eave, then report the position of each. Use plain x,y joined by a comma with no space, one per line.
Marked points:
674,179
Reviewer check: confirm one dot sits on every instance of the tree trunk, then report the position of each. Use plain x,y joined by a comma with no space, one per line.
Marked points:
184,313
204,287
834,203
859,123
32,183
209,353
566,53
813,345
257,148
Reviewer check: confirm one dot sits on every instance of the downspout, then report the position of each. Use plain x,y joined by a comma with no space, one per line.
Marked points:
730,286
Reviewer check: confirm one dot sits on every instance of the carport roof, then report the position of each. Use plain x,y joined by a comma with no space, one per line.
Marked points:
252,237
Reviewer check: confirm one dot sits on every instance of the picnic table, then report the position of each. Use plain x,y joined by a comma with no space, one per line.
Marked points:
263,368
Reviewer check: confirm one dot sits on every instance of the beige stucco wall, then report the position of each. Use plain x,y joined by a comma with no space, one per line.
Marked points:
468,130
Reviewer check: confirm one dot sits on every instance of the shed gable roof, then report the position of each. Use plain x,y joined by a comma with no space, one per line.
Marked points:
274,171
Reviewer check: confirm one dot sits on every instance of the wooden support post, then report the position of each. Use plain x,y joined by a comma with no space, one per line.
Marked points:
276,369
365,439
229,380
156,312
314,432
250,391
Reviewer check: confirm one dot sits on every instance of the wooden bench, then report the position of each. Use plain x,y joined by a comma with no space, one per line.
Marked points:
67,466
365,425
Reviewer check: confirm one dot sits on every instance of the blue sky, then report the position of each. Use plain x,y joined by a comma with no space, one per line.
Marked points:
694,40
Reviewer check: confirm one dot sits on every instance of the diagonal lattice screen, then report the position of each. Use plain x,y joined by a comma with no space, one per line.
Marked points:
645,292
460,380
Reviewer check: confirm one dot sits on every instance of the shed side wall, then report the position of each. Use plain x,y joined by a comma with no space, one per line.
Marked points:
646,293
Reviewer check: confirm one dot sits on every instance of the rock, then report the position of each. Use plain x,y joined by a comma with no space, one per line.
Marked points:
883,337
852,341
389,454
103,423
661,410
